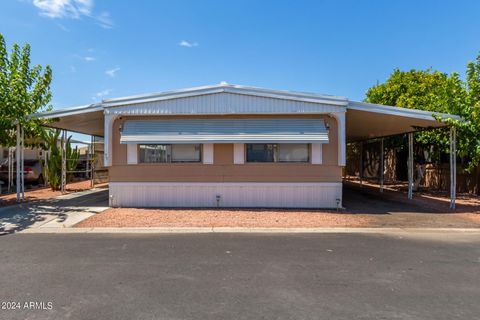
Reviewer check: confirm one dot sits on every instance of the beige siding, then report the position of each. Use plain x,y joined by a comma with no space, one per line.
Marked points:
223,169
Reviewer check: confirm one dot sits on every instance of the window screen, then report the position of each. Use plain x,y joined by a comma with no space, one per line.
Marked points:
295,152
164,153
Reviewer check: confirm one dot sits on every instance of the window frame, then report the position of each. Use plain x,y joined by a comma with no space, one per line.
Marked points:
200,159
276,159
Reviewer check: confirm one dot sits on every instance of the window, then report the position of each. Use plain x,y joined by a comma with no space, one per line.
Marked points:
295,152
165,153
260,152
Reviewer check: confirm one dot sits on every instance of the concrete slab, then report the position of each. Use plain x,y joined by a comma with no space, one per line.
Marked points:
58,212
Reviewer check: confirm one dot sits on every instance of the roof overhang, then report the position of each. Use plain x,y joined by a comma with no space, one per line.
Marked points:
87,119
368,121
363,120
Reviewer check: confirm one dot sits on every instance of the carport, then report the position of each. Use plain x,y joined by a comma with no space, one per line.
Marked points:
357,122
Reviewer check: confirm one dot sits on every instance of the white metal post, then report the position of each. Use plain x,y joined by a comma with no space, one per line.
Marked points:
92,166
87,164
64,161
453,166
382,165
10,169
17,156
45,175
360,170
410,165
22,163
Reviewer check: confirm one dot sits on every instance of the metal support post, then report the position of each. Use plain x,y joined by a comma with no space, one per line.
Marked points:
453,166
92,166
360,170
410,165
17,156
22,163
382,165
64,160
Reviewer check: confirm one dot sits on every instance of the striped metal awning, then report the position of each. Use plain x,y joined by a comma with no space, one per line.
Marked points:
224,131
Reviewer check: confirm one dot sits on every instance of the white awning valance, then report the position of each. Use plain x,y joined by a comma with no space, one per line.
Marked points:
224,131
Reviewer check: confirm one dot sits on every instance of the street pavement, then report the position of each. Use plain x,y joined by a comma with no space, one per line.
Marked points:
410,275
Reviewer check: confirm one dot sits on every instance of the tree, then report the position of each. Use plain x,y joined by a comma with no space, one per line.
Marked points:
23,91
438,92
53,166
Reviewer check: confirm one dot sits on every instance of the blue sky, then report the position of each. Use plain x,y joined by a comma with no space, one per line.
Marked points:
100,49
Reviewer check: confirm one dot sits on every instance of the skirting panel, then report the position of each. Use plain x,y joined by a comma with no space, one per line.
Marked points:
273,195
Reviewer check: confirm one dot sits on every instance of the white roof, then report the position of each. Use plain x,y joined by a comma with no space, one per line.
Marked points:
364,120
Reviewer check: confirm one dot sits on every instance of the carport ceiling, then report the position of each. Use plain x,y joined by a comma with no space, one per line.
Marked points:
367,121
87,123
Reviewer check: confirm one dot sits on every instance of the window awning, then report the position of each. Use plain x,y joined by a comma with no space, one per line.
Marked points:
224,131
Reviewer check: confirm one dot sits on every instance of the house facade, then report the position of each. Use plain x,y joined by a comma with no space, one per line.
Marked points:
232,146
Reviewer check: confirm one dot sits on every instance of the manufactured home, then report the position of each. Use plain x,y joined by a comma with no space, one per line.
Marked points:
232,146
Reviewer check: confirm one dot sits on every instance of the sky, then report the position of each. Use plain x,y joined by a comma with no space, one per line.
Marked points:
114,48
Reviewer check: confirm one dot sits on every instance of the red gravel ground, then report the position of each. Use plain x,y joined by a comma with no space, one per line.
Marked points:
132,217
45,193
389,209
177,218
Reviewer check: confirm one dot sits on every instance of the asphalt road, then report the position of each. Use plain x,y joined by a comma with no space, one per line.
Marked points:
241,276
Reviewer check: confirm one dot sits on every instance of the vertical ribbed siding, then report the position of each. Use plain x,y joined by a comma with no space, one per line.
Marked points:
224,103
273,195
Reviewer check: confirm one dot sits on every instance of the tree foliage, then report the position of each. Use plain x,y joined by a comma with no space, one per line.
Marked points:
438,92
23,90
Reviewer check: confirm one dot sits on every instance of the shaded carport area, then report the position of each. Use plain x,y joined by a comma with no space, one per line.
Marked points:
88,120
366,122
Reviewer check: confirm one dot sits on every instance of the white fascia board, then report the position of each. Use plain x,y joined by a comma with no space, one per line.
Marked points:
399,111
67,111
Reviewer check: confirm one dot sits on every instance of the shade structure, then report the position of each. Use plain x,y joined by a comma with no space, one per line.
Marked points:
224,131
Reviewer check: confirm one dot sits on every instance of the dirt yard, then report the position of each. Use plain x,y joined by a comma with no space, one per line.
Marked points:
45,193
126,217
135,217
365,207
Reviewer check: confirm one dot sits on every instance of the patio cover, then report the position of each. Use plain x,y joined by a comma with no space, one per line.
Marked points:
224,131
367,121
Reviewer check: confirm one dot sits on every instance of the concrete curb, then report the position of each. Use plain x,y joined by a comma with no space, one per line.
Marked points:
247,230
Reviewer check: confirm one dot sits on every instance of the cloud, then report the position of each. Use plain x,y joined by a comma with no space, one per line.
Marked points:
104,20
101,94
61,26
73,9
64,8
112,72
187,44
89,59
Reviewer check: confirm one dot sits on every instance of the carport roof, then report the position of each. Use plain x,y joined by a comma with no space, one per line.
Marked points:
368,120
363,120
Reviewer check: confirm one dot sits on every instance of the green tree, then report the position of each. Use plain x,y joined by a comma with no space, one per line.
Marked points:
53,167
23,90
438,92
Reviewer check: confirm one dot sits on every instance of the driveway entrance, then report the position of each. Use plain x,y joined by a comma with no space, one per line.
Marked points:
58,212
